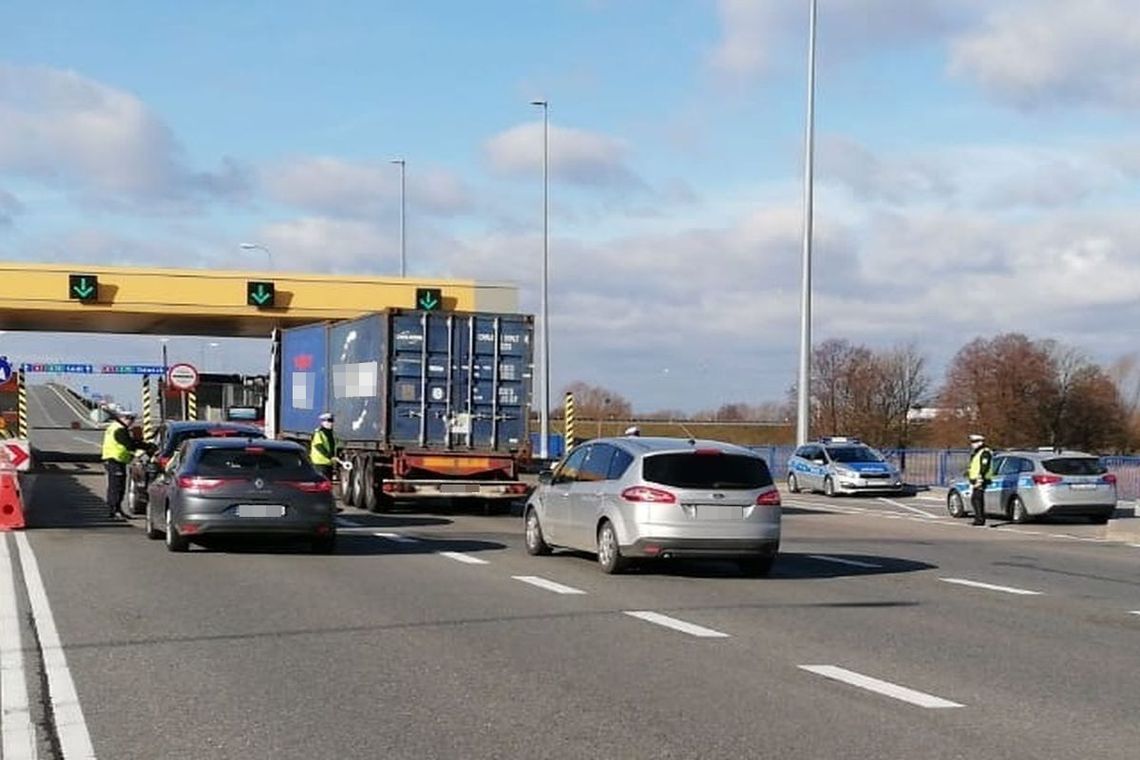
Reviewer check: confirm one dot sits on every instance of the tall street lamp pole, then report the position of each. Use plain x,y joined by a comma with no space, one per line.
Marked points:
544,334
802,385
403,215
259,247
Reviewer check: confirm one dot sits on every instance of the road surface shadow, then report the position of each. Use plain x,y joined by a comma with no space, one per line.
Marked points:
788,566
347,545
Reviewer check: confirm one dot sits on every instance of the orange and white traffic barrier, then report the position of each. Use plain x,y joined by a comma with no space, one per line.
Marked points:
11,499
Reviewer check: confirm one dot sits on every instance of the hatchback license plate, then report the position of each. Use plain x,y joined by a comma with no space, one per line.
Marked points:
718,512
260,510
1083,486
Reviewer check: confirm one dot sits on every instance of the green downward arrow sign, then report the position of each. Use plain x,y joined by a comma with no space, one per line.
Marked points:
84,288
261,295
428,302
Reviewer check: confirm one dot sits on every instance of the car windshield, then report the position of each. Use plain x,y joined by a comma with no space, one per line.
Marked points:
233,461
853,454
1075,466
697,470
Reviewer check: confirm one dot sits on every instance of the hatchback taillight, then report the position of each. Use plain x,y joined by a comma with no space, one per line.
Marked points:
199,484
1047,480
311,486
647,494
768,499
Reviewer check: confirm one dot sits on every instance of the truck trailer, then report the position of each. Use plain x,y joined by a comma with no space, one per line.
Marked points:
426,404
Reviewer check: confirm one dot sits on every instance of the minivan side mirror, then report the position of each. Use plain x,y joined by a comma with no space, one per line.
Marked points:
546,477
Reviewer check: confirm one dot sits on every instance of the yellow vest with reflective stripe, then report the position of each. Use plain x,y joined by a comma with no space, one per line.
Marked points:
112,449
975,471
315,456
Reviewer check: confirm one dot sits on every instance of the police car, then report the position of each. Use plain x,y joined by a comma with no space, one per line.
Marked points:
841,464
1033,484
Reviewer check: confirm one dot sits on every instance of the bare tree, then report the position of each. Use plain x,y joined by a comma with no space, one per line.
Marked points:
596,403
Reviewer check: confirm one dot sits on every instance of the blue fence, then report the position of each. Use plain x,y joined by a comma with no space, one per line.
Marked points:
937,467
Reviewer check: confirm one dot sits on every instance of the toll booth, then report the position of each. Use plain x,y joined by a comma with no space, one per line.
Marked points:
219,397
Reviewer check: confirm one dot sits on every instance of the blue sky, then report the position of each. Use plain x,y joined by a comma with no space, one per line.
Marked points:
976,167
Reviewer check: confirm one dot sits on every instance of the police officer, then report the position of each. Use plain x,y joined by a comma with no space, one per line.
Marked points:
979,473
322,449
119,447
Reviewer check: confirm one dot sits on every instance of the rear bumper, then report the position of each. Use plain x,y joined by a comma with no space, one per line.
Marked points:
1079,510
868,486
289,525
458,489
703,547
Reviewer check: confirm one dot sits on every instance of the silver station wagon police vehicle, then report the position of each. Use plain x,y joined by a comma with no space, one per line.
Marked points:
1032,484
841,464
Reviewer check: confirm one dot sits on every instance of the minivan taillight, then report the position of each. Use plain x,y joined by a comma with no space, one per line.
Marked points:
647,494
768,499
312,486
1046,480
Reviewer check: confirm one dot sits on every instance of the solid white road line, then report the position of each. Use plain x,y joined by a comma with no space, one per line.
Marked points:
557,588
990,586
396,537
17,731
460,557
880,687
70,726
677,625
916,510
841,561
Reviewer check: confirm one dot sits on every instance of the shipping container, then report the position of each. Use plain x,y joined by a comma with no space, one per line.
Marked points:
425,403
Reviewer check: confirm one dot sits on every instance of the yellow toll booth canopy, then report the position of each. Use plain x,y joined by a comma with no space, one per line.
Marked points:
83,298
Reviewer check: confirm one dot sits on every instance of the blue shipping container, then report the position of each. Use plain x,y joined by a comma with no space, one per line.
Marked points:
441,380
304,378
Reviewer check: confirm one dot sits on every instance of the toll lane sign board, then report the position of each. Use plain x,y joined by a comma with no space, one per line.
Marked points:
260,294
83,287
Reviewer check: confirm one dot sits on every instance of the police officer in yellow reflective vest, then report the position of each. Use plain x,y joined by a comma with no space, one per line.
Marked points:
119,448
322,449
980,474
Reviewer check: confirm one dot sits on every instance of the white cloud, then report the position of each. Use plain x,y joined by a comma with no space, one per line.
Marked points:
64,129
1051,52
364,189
339,246
576,156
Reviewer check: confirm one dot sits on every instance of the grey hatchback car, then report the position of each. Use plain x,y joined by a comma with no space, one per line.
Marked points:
1032,484
220,486
641,498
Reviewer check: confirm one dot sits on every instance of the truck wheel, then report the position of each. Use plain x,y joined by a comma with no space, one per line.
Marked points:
354,489
344,485
368,499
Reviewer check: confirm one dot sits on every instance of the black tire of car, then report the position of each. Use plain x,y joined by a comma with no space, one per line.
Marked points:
151,532
536,545
323,544
954,505
828,487
174,541
1017,511
793,484
609,552
368,500
756,567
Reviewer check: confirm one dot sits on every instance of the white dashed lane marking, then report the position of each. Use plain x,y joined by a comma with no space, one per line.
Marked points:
466,558
841,561
677,625
990,586
396,537
885,688
543,583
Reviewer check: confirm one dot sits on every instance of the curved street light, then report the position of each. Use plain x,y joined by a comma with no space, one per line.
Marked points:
259,247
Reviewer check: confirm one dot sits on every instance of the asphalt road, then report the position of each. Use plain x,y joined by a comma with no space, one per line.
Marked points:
443,639
59,425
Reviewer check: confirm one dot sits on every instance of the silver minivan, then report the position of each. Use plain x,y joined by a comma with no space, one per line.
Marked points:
644,498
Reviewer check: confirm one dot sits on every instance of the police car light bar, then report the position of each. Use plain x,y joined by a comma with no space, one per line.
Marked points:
839,439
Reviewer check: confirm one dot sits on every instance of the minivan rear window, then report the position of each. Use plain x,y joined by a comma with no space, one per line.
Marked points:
1075,466
234,461
685,470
